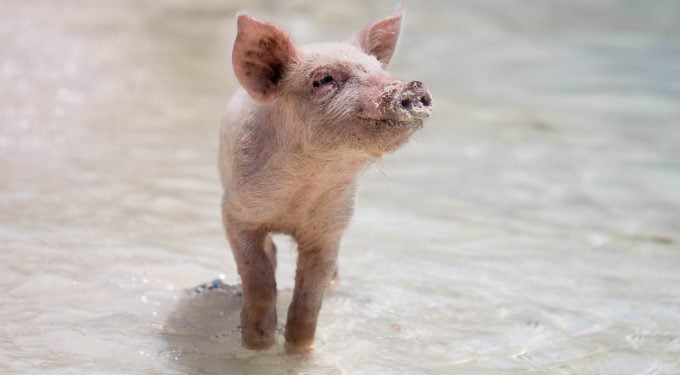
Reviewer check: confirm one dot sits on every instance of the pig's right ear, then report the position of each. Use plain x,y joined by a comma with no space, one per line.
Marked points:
261,56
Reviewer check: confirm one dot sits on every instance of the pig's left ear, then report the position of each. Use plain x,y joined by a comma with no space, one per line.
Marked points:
262,54
380,38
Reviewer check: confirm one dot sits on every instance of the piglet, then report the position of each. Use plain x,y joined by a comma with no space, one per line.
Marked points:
307,122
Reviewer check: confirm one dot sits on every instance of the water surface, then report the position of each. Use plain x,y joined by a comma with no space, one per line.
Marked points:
532,226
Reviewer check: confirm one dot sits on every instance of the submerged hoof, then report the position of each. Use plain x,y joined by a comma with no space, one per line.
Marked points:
299,348
258,343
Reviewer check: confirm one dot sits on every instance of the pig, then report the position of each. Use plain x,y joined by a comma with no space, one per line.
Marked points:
306,122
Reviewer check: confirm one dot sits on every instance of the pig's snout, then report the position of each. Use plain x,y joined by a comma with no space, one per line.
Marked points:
413,102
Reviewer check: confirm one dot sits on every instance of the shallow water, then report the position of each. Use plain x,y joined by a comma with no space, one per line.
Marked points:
532,226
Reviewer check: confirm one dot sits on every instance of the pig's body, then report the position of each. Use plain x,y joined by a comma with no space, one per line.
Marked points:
272,178
292,145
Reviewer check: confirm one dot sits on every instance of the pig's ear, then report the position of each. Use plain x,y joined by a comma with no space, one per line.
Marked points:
380,38
262,54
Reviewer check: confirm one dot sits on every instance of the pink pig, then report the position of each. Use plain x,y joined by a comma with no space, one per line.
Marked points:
308,121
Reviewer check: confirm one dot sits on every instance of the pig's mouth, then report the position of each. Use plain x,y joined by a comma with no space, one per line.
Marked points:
413,124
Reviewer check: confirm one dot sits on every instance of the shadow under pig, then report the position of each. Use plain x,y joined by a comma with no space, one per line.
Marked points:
202,336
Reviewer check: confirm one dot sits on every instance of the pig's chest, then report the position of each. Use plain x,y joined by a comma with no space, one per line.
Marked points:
295,193
309,193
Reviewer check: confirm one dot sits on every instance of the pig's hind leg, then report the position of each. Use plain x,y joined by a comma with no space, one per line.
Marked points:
270,250
252,250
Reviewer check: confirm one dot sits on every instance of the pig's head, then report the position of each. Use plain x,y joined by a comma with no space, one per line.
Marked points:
335,96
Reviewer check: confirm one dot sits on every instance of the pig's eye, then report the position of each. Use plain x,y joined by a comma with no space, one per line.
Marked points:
326,79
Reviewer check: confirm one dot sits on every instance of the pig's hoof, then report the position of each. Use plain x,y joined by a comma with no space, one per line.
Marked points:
299,348
299,341
258,331
258,340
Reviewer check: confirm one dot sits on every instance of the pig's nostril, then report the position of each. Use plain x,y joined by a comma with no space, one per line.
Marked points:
406,103
426,101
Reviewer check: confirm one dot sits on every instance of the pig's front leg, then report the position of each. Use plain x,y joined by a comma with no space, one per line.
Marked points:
316,266
253,254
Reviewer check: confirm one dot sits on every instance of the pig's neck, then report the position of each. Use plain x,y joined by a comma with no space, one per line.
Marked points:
300,143
308,162
313,170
